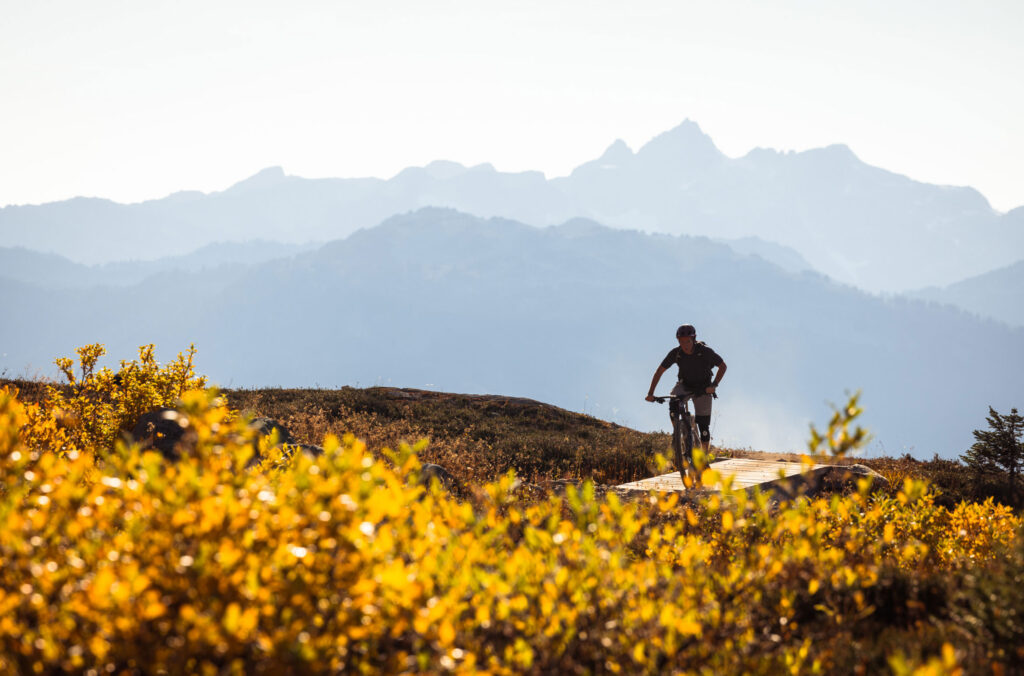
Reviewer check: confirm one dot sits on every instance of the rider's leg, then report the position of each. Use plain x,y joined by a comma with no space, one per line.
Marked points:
677,444
704,425
702,410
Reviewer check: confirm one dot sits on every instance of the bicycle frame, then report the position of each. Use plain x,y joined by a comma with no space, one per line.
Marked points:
684,430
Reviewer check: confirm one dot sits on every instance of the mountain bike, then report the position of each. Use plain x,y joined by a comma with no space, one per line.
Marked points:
685,433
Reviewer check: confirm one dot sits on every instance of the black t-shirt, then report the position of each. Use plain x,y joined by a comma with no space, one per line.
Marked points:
694,369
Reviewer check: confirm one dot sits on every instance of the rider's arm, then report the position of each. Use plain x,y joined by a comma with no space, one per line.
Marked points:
718,376
654,382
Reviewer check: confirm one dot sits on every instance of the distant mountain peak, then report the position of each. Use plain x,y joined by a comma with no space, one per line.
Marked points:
685,130
268,174
836,152
685,142
840,149
617,154
261,179
444,169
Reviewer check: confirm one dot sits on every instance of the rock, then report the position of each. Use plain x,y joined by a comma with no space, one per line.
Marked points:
430,471
864,470
311,450
163,429
823,480
308,449
264,427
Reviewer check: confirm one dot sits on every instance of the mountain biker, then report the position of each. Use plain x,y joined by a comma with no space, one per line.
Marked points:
695,361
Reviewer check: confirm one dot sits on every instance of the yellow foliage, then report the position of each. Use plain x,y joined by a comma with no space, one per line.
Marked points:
341,564
96,404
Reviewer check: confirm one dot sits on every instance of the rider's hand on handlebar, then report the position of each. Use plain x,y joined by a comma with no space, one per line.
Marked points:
649,397
710,389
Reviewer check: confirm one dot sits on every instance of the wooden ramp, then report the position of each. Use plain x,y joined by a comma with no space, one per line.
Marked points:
746,473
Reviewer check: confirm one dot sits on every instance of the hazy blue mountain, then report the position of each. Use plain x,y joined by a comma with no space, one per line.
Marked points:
783,256
24,265
998,294
51,270
856,223
853,222
577,315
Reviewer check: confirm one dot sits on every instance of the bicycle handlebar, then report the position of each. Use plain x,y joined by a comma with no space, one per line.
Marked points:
690,395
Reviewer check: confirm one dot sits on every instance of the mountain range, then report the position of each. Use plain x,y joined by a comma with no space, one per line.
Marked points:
998,294
855,223
51,270
577,315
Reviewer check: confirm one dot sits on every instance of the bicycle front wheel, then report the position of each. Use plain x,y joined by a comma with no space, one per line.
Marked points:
677,448
689,439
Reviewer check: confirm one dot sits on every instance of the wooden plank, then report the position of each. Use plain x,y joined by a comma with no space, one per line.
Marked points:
745,473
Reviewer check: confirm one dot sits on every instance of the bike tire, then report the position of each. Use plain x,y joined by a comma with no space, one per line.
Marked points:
677,448
688,444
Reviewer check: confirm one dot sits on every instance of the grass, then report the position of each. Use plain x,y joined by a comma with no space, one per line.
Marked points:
476,437
479,438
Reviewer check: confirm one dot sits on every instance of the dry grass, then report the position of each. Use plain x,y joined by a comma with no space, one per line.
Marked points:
478,438
481,437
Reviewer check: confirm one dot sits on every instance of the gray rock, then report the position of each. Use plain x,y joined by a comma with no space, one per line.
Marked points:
828,479
311,450
163,429
264,427
430,471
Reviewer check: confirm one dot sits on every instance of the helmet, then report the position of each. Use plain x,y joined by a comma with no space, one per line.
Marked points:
686,330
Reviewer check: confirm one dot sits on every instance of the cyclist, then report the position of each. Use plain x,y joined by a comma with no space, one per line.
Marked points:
695,361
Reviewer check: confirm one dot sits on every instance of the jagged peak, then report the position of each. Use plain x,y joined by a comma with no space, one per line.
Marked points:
685,139
261,179
617,153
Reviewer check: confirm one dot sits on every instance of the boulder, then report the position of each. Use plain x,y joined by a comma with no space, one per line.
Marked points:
163,429
311,450
430,471
264,427
824,480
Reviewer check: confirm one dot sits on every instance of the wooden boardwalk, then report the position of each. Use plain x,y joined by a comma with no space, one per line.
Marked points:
746,473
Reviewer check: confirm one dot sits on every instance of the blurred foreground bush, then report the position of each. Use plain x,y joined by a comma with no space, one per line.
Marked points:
114,559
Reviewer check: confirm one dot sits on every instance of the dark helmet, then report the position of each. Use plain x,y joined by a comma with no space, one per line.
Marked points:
686,330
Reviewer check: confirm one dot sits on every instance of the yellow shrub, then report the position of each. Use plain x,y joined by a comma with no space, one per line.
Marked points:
95,405
343,563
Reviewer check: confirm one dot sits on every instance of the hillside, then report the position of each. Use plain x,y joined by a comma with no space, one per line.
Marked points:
479,438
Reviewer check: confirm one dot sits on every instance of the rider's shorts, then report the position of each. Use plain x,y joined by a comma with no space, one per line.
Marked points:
701,404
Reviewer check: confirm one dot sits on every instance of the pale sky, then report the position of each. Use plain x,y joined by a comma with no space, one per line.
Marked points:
135,99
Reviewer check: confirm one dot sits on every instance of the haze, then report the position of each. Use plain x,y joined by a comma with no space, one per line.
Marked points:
133,101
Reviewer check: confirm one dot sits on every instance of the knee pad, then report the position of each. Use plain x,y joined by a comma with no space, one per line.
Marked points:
673,406
704,425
